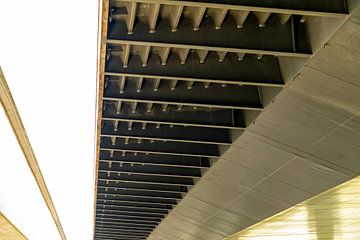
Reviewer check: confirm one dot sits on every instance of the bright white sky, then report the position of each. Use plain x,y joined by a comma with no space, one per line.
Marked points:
48,55
20,198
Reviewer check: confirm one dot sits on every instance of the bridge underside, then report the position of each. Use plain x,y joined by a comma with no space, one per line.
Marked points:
216,116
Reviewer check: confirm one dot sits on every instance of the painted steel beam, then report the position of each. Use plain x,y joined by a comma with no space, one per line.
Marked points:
134,203
124,224
223,119
166,148
141,186
155,180
113,238
129,220
147,179
166,133
248,35
161,152
250,69
330,8
233,97
132,211
139,198
103,223
107,237
123,229
116,238
130,216
164,78
154,159
148,189
164,45
174,104
152,170
117,233
136,193
170,116
132,208
122,234
150,174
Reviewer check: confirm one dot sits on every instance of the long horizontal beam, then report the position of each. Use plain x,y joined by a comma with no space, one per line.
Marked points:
126,220
166,133
205,118
154,159
105,210
243,30
125,234
141,194
181,94
138,195
142,186
136,149
155,120
127,217
104,237
306,8
134,203
150,170
146,180
141,199
176,148
139,189
191,79
187,104
129,207
119,232
124,228
117,218
109,225
124,224
143,162
141,137
251,69
146,174
124,231
206,48
114,238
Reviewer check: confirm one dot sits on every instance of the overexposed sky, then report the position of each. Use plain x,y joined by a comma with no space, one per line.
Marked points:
20,198
48,56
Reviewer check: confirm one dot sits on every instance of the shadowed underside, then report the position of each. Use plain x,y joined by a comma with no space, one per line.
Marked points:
180,82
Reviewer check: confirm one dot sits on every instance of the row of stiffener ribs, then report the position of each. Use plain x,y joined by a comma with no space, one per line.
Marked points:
178,77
